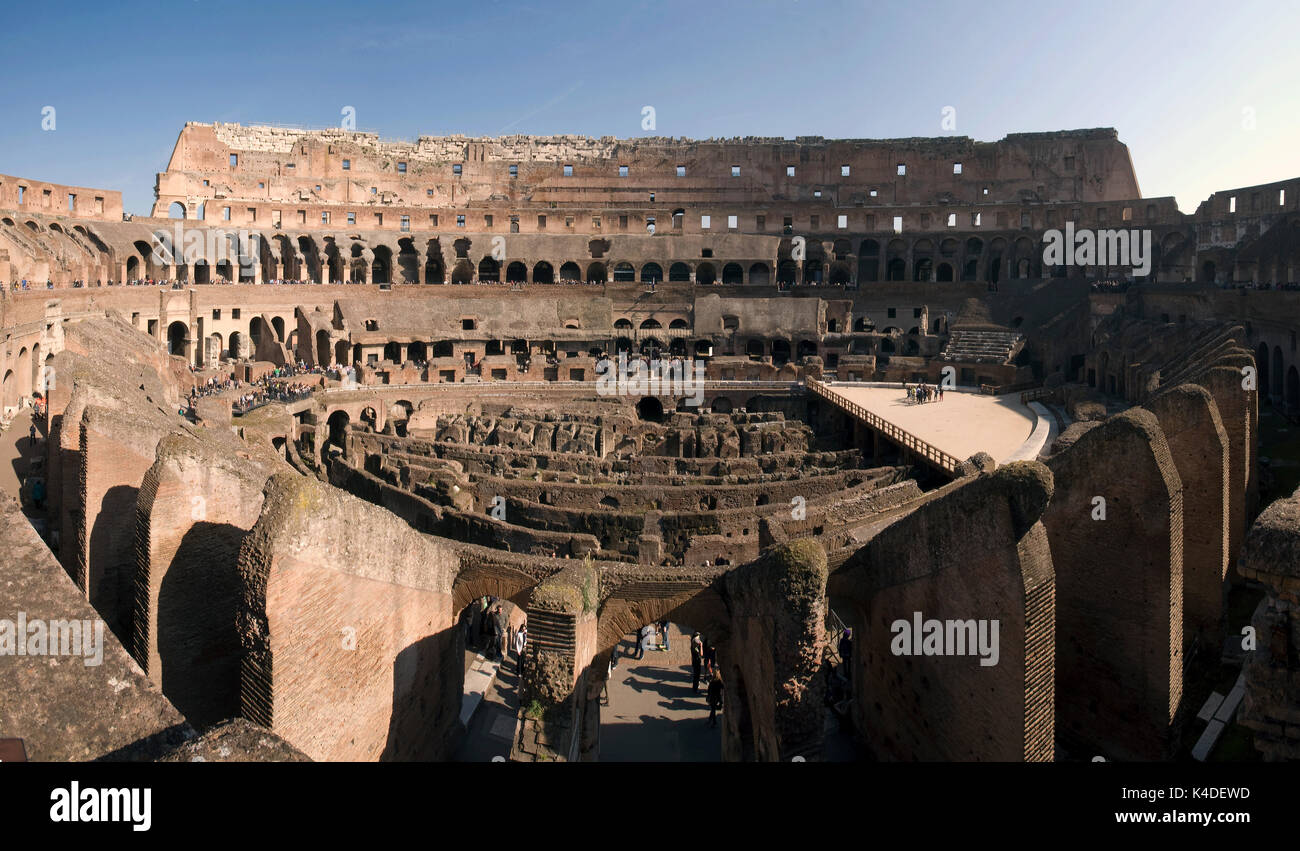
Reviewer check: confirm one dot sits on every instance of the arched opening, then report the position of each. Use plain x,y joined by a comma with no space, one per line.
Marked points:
10,389
651,273
869,261
393,352
704,274
178,339
176,210
624,273
596,273
238,345
896,270
408,262
650,409
733,273
338,435
417,352
570,273
322,348
434,272
780,352
1208,271
807,348
787,273
381,268
650,323
944,272
721,405
760,275
489,271
462,273
755,349
543,273
343,353
679,272
516,273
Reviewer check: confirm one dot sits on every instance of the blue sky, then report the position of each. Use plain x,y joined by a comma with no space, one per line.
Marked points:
1180,81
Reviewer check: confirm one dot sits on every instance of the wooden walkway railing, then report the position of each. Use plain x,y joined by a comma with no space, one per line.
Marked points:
923,449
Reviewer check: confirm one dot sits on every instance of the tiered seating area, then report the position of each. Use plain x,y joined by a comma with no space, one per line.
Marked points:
981,346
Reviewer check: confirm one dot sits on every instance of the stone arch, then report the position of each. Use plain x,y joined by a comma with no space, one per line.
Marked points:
624,273
760,275
570,271
733,273
462,273
705,274
652,273
596,273
322,348
489,270
176,210
178,339
543,273
679,272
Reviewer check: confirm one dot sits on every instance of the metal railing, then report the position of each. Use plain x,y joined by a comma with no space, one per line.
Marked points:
1037,394
902,437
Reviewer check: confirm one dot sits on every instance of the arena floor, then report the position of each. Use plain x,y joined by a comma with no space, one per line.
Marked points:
961,425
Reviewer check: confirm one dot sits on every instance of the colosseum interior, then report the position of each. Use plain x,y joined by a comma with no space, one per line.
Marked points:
286,436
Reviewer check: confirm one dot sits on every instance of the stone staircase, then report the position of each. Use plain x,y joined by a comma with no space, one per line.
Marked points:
980,346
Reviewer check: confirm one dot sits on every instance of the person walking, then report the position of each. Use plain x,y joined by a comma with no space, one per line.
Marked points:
846,652
521,642
697,661
710,658
663,628
500,625
715,698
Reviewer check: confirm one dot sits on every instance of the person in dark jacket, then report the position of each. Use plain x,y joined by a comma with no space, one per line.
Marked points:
697,661
715,698
846,652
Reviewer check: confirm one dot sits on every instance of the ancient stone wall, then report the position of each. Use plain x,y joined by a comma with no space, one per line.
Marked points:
347,628
975,557
1119,590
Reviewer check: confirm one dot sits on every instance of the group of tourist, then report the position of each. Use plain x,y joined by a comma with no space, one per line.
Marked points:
1113,285
704,661
922,393
486,627
24,285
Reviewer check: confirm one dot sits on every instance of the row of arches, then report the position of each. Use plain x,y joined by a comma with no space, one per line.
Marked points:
27,375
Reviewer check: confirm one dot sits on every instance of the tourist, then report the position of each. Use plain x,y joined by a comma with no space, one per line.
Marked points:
32,432
646,632
38,494
710,658
715,698
500,624
521,641
663,629
697,661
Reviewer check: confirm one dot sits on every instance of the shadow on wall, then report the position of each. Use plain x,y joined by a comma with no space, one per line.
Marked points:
198,645
428,681
111,554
